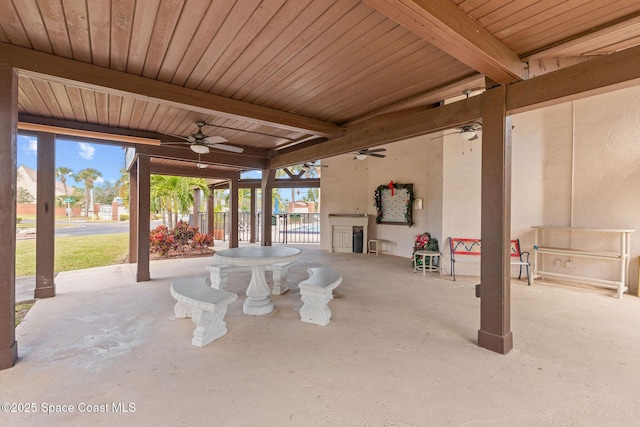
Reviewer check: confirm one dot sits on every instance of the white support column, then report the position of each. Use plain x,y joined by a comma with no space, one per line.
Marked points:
268,175
233,212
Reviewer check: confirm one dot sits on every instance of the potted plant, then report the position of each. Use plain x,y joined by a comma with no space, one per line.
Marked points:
424,242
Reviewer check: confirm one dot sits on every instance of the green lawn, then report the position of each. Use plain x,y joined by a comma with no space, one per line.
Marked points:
75,253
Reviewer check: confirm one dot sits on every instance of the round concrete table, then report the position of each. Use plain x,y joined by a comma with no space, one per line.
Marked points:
256,257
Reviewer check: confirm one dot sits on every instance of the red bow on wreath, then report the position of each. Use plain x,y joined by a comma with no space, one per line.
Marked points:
391,188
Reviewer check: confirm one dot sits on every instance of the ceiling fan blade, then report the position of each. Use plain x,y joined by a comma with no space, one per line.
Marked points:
183,140
473,138
377,155
376,150
445,134
215,139
312,165
226,147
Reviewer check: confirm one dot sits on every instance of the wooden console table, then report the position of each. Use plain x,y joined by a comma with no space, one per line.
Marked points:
621,256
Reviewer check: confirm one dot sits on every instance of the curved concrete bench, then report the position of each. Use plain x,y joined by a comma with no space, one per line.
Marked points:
219,275
316,292
205,305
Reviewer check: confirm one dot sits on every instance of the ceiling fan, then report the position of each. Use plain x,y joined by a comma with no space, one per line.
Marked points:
362,154
308,165
468,132
200,143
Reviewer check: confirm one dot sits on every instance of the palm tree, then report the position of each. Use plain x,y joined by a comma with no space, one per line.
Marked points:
174,194
61,174
123,190
88,176
244,194
294,170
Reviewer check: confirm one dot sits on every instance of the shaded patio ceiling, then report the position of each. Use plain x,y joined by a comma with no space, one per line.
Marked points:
295,81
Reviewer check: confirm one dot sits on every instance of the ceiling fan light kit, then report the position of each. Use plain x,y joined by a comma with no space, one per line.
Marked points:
467,134
361,156
199,148
200,143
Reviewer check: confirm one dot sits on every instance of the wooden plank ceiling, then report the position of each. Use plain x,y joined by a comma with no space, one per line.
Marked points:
269,75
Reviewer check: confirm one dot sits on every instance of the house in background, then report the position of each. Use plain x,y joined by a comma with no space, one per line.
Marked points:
27,192
28,180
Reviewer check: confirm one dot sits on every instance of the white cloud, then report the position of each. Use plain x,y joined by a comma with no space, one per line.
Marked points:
32,145
86,150
98,180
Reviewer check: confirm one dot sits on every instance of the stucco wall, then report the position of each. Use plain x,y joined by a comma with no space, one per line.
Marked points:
349,185
343,189
592,167
576,163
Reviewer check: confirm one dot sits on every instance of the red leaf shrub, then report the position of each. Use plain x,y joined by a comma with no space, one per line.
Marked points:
201,241
183,233
161,240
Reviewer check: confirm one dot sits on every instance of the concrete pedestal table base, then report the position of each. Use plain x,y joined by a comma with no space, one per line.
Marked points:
258,302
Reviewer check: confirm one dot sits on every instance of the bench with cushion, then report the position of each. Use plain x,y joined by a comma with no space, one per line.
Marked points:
205,305
316,292
468,250
219,275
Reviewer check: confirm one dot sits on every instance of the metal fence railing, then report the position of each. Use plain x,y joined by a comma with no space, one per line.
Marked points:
285,227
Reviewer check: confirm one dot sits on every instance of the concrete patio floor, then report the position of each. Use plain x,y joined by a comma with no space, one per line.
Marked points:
400,351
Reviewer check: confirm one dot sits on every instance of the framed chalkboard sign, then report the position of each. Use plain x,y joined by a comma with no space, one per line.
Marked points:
394,204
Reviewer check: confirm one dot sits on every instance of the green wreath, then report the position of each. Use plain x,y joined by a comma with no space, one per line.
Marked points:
408,215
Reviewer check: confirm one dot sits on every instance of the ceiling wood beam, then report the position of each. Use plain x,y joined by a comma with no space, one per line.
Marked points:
619,30
282,183
59,131
602,74
450,29
103,134
66,71
220,158
106,134
193,172
433,96
387,128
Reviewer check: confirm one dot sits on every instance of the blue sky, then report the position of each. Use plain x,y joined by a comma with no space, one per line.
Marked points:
76,156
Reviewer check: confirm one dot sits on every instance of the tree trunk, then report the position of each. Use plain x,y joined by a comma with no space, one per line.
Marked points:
87,200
